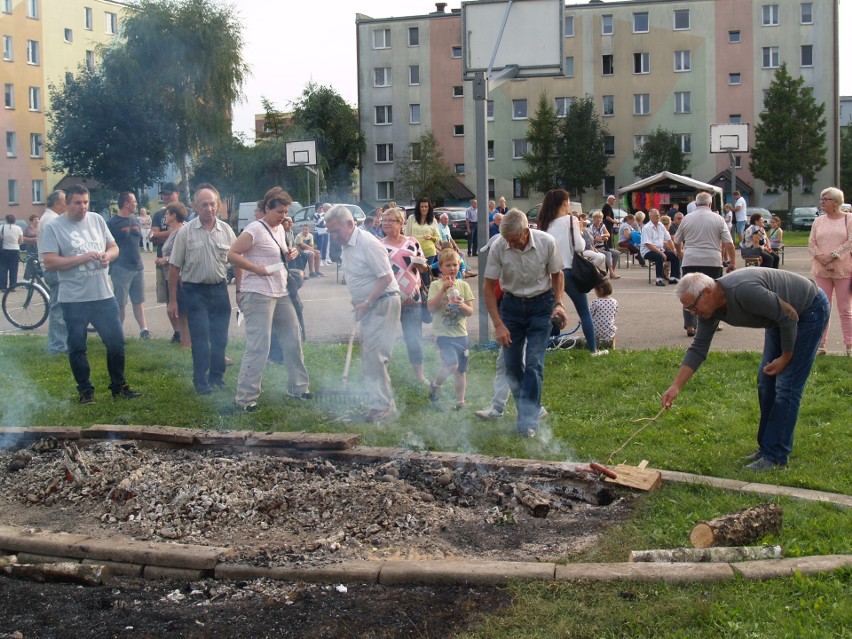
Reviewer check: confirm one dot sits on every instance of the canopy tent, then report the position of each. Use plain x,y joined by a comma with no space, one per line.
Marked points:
664,189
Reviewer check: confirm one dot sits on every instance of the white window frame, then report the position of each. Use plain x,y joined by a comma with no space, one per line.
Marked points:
9,95
683,61
88,18
520,191
644,62
609,150
735,79
569,26
810,50
647,22
90,59
68,35
456,52
639,142
735,36
8,48
385,190
458,90
520,147
569,66
641,104
33,52
7,6
12,185
607,24
11,144
381,38
38,191
32,9
735,118
414,75
36,145
770,57
611,102
416,32
414,112
516,108
681,13
110,23
489,149
458,130
562,104
684,141
416,151
683,102
382,76
459,169
806,18
770,16
387,114
489,110
384,153
35,98
611,65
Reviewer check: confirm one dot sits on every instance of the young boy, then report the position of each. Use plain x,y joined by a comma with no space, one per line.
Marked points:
451,303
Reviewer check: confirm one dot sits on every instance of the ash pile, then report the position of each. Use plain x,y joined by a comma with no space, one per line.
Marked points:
273,510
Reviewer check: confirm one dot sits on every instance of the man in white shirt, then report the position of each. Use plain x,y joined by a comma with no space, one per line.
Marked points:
471,217
658,247
740,215
57,333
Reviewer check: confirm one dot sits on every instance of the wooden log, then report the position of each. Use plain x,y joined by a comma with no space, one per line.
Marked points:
535,501
638,477
737,529
68,572
703,555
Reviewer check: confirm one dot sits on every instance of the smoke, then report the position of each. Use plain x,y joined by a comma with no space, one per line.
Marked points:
22,399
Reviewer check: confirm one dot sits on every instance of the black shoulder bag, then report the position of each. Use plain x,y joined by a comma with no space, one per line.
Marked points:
295,279
585,275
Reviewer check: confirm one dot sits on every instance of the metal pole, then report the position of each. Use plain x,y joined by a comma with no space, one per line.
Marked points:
733,175
480,108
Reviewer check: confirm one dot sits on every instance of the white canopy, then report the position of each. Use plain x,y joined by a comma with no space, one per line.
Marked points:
672,178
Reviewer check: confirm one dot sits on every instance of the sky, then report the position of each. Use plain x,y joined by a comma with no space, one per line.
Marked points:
289,44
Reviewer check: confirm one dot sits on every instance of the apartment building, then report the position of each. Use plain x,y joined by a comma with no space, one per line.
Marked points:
42,41
678,64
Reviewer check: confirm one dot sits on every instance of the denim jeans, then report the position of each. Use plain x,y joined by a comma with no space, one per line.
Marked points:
411,319
529,325
57,334
581,305
208,313
690,320
780,395
472,248
657,259
9,262
103,315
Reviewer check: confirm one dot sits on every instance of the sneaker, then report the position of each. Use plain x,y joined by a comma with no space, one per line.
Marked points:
126,392
87,397
660,282
434,392
175,338
673,280
459,406
821,350
302,396
542,413
249,408
599,352
529,433
314,275
489,413
320,274
229,361
203,390
752,457
763,464
145,334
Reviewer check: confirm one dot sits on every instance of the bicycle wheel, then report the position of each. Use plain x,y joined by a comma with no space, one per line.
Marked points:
26,305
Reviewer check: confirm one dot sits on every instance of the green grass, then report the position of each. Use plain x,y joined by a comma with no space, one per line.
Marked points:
796,238
593,405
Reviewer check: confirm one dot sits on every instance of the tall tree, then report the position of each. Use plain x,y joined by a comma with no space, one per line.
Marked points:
422,172
661,152
325,116
789,139
846,162
542,157
582,135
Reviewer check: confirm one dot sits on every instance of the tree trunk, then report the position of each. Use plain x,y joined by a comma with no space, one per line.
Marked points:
535,501
725,554
737,529
68,572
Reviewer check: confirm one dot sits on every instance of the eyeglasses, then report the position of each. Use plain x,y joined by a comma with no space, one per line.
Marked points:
692,306
826,199
389,220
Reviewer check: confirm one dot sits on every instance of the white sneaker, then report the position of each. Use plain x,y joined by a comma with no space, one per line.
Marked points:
489,413
600,352
542,413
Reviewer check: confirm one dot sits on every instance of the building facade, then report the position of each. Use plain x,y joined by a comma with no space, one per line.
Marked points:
682,65
42,41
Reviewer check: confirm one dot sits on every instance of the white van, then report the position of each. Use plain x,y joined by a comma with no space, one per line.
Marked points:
246,213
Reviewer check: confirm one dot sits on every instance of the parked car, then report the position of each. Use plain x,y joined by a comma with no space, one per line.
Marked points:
532,214
305,215
802,218
767,216
458,227
618,214
245,213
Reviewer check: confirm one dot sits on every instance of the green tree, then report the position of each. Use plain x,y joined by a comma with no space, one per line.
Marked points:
789,139
422,172
542,157
582,156
326,117
846,162
661,152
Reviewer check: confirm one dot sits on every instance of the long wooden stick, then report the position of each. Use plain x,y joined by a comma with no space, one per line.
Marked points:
650,421
349,356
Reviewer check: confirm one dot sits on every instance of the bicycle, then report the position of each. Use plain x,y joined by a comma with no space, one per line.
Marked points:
27,302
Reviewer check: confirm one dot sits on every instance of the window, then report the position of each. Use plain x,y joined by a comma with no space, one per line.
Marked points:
458,91
414,74
681,19
490,149
9,96
8,51
606,25
606,64
381,39
641,104
416,151
384,190
459,169
414,114
683,102
456,52
11,144
609,145
569,26
7,6
69,35
382,77
110,23
771,57
807,55
32,52
90,60
640,22
35,98
519,189
562,106
609,184
734,37
641,62
807,13
770,15
87,16
682,61
36,145
735,118
13,191
458,130
32,9
639,142
608,105
384,114
519,109
569,66
735,78
489,109
38,191
738,161
684,141
384,153
413,36
519,149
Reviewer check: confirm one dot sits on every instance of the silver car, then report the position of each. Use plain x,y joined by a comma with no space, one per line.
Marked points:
305,215
802,218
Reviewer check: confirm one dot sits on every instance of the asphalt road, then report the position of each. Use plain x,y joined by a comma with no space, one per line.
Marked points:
648,316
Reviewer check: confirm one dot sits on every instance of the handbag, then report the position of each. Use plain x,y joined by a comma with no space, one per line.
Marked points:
584,274
295,279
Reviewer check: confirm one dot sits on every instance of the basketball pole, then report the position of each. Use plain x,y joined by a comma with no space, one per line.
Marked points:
480,107
733,174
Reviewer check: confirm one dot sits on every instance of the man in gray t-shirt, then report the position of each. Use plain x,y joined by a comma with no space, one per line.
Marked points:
79,247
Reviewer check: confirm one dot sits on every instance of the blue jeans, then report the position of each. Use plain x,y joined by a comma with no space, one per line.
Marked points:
528,322
208,313
780,395
411,318
581,305
657,259
322,245
57,334
472,248
103,315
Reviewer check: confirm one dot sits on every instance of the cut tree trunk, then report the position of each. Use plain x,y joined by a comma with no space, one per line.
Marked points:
737,529
535,501
68,572
701,555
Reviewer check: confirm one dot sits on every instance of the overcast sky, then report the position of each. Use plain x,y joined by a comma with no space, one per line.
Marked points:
290,44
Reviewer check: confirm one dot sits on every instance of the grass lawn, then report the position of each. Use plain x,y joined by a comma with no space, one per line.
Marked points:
592,403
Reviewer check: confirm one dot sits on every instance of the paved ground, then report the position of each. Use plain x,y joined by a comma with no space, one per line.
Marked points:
648,317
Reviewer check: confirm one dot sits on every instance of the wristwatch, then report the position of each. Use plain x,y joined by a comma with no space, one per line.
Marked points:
835,255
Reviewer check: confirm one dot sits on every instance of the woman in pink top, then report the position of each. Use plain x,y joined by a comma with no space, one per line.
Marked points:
829,245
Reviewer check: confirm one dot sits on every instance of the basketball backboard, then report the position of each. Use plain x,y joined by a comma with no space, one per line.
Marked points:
731,138
532,37
301,153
